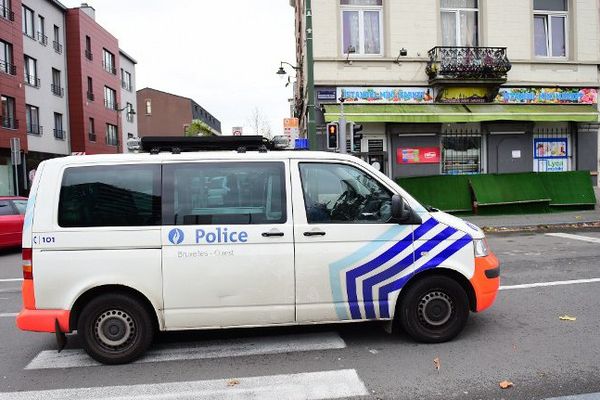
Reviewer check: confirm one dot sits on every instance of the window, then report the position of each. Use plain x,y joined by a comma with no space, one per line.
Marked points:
119,195
224,193
32,116
8,113
6,58
6,208
91,130
6,10
110,98
112,137
461,154
59,132
31,75
20,205
129,112
88,48
56,86
126,80
28,27
362,31
550,28
90,89
148,107
337,193
41,35
460,23
108,61
56,42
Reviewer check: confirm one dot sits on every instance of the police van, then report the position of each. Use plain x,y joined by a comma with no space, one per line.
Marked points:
208,233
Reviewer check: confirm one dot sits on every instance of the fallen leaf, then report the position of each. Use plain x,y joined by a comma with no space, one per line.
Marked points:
506,384
233,382
436,363
567,318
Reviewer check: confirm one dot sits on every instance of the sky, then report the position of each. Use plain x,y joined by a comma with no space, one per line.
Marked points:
221,53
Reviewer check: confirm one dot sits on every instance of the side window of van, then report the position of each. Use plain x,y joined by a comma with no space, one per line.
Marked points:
224,193
5,208
110,195
338,193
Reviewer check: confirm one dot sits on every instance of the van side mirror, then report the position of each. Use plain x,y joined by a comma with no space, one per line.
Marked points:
402,213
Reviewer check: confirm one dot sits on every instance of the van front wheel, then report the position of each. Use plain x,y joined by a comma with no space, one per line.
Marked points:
115,329
434,309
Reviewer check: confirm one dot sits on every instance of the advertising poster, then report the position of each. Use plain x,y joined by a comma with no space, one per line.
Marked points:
551,154
418,155
386,95
291,128
547,96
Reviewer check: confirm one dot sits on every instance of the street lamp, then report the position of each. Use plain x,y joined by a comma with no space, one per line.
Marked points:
130,111
281,71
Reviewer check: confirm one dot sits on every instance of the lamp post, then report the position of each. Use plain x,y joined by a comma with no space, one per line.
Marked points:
130,111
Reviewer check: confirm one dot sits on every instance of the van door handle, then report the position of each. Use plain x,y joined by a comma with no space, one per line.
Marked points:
272,234
314,233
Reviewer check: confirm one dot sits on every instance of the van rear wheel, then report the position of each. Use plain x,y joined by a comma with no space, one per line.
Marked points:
434,310
115,329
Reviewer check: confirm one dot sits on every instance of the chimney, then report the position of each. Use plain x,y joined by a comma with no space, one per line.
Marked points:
89,10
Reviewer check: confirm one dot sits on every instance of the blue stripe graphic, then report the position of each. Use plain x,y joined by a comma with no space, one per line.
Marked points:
399,267
360,254
354,274
385,291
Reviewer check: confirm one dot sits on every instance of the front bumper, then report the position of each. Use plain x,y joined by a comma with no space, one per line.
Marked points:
486,281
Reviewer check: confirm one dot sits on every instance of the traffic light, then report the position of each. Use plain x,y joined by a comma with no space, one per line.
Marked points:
332,136
356,135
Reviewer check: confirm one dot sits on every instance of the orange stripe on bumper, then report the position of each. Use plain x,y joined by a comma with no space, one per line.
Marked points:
485,288
28,294
43,320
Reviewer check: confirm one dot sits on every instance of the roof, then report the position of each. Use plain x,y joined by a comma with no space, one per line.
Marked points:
162,91
58,4
127,56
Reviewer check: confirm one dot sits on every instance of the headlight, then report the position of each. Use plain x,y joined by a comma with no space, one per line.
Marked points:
481,248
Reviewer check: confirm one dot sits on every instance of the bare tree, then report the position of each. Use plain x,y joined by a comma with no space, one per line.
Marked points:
259,123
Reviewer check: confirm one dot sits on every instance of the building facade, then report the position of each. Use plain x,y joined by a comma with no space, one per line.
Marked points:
166,114
454,86
129,126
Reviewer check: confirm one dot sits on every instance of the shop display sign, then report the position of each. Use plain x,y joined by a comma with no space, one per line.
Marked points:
547,96
326,94
551,154
386,95
464,95
418,155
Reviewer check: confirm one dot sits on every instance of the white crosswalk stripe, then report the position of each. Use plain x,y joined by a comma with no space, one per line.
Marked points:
8,315
309,386
575,237
72,358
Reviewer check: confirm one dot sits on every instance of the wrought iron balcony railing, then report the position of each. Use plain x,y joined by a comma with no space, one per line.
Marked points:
8,68
7,13
9,123
43,39
468,63
57,90
92,136
90,96
35,129
108,67
59,134
32,80
57,47
89,55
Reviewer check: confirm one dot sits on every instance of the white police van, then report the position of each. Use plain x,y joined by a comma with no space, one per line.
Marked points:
118,247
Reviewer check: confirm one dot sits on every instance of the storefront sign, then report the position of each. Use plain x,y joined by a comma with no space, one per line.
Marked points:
547,96
291,127
464,95
418,155
386,95
552,165
326,94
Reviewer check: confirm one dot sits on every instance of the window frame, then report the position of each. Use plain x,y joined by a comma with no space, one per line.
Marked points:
25,11
351,165
110,103
110,131
456,11
548,14
58,117
29,113
361,9
30,62
109,61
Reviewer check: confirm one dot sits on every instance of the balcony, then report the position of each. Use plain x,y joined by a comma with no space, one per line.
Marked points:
7,13
57,90
32,80
90,96
43,39
57,47
35,130
109,67
59,134
485,64
9,123
89,55
8,68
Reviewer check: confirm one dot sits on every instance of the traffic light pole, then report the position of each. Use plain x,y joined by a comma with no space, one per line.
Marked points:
342,129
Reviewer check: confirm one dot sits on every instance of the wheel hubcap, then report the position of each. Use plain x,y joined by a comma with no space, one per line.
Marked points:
114,328
435,308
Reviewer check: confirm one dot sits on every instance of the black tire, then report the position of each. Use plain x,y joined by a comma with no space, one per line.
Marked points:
115,328
433,310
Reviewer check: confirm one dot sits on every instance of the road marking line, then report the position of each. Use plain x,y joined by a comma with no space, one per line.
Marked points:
309,385
75,358
8,315
555,283
588,396
575,237
12,280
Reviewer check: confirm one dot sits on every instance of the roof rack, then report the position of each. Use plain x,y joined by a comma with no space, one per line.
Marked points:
176,145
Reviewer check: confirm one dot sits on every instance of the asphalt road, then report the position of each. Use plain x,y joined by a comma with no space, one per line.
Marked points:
520,339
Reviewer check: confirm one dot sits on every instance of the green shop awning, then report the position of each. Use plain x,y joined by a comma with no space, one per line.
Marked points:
448,113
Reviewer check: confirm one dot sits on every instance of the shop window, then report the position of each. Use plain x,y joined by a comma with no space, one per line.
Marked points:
460,23
552,150
550,28
461,154
362,23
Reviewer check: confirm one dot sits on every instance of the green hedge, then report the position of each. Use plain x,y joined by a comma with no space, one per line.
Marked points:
445,192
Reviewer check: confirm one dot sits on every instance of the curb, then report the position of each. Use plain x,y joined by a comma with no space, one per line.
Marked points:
541,227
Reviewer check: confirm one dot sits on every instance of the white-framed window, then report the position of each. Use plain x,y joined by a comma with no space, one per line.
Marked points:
148,107
460,22
110,98
550,20
362,27
108,61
